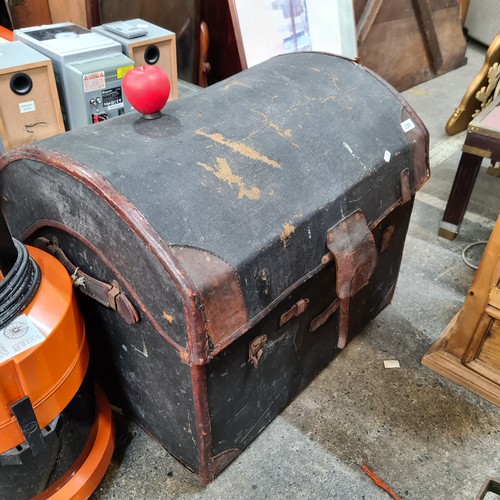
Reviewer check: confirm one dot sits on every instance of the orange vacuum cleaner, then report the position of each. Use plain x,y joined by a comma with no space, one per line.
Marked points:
56,431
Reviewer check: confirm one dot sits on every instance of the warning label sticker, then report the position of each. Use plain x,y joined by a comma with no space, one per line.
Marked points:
94,81
120,72
18,336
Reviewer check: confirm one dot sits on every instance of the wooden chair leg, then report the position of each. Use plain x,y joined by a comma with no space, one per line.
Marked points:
460,194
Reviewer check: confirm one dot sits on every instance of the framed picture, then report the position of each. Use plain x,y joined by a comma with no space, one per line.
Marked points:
265,28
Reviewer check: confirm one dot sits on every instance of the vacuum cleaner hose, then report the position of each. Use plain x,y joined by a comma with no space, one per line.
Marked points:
18,288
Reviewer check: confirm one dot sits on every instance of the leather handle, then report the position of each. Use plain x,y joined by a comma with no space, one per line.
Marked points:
109,295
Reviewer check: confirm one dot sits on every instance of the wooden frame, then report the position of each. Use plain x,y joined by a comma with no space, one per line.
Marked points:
468,352
464,7
345,45
469,104
237,33
367,19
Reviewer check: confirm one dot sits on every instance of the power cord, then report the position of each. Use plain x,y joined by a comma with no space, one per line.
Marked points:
468,247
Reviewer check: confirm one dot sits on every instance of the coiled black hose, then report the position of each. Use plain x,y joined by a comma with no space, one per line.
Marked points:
18,288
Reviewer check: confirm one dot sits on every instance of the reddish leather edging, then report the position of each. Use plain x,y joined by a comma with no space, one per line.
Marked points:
203,426
219,285
418,137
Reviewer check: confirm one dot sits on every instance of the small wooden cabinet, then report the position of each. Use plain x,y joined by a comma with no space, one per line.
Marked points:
469,350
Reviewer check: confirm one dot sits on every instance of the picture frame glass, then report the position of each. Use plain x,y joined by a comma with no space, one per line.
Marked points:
271,27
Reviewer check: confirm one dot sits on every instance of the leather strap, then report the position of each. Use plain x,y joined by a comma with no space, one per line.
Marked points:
296,310
322,318
352,245
108,295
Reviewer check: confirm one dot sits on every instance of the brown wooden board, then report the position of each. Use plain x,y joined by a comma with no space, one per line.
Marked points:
410,41
74,11
28,13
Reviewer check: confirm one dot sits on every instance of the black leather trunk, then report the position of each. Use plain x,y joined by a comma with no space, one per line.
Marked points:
246,235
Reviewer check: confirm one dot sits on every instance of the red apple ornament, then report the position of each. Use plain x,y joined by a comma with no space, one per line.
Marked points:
147,88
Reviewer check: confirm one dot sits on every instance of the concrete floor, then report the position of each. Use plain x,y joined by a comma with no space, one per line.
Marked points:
425,436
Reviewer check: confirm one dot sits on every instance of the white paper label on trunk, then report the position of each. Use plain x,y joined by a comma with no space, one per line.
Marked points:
407,125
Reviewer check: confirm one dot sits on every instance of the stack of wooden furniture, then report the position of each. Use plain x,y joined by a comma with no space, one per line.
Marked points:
404,41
